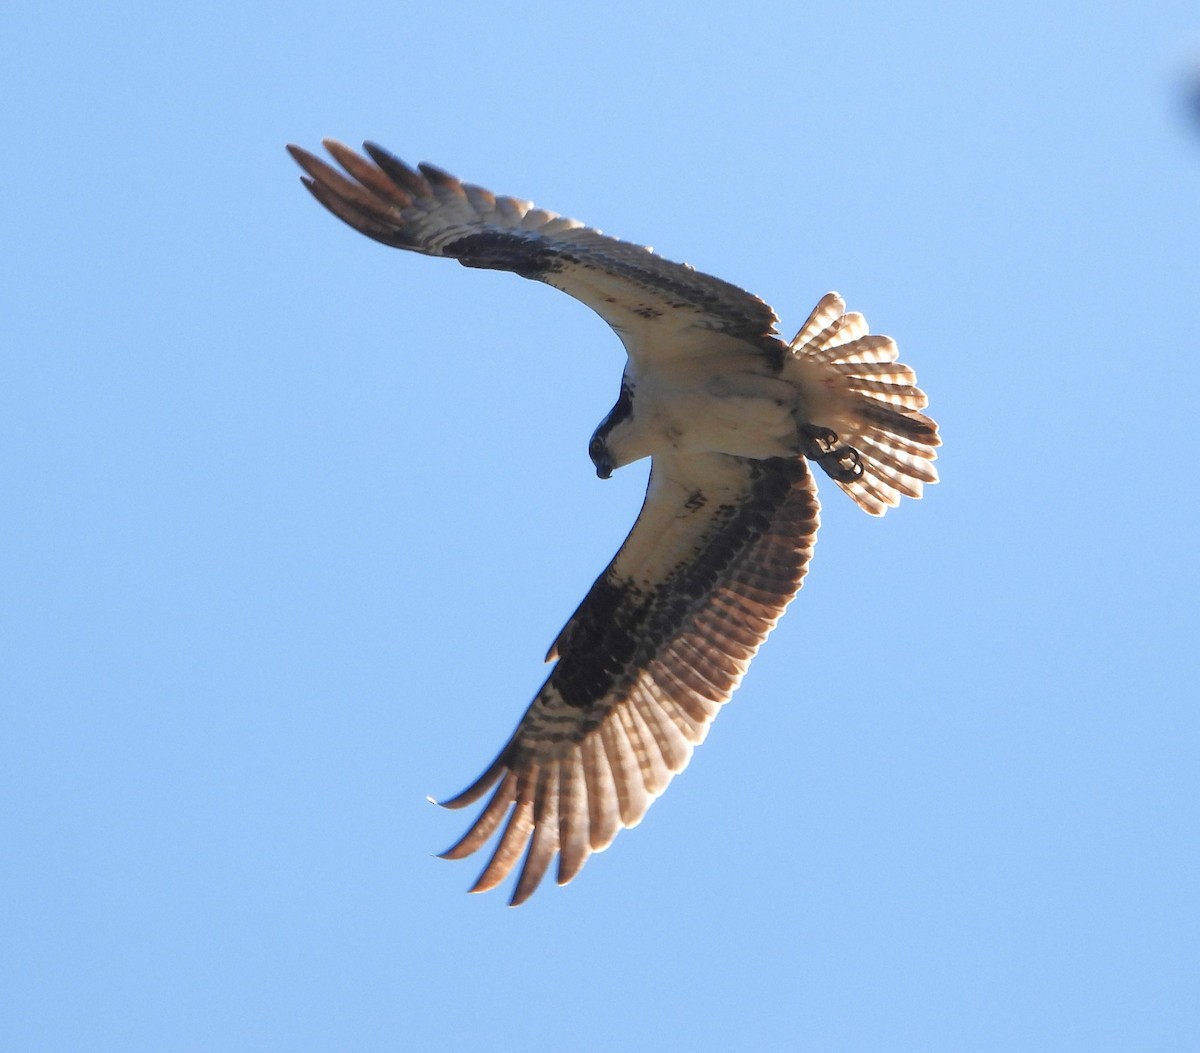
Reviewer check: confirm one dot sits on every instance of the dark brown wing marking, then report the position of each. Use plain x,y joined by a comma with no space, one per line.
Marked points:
658,645
643,296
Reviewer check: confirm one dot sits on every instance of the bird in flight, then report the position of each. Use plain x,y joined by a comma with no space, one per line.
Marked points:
731,416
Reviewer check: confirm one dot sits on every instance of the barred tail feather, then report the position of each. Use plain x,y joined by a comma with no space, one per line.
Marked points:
855,385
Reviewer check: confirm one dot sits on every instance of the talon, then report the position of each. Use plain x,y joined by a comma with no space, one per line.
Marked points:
843,465
817,442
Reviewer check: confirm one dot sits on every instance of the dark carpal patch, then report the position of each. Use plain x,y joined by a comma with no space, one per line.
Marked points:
619,629
529,256
604,638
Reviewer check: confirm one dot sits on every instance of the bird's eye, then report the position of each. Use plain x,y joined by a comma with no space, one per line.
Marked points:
595,448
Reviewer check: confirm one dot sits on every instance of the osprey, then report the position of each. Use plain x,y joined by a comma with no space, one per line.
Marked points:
730,415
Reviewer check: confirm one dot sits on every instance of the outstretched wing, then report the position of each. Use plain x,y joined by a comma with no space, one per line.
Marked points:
648,300
659,643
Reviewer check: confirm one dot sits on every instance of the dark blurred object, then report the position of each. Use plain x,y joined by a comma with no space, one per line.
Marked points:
1191,97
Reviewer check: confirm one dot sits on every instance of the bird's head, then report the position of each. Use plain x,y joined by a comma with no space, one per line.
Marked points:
612,443
601,458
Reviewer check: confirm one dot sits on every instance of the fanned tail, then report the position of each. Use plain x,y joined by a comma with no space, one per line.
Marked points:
854,386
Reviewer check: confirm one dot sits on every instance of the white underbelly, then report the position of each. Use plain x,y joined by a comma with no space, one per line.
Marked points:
744,413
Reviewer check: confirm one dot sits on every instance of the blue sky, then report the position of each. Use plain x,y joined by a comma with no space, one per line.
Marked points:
290,520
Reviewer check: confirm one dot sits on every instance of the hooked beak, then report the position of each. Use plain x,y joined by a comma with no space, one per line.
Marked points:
604,468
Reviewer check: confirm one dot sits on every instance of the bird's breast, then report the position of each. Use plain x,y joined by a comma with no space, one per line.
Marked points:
707,407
